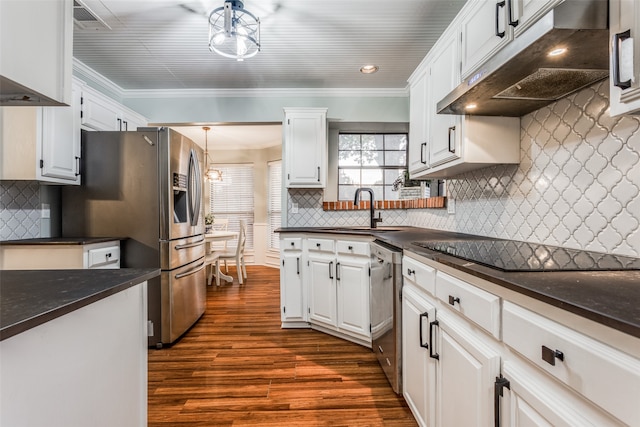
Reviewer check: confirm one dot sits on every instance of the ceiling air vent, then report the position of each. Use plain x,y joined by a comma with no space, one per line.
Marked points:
86,19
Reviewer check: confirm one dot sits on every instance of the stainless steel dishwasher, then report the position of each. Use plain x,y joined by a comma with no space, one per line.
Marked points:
386,310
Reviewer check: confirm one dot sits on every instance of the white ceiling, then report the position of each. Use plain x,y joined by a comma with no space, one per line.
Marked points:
162,44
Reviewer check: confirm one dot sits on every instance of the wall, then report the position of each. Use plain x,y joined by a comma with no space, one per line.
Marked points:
21,208
578,184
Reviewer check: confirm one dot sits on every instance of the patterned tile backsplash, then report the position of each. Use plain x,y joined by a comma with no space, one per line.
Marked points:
19,210
577,185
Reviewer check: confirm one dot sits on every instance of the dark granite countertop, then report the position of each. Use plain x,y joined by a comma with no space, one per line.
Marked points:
61,241
611,298
29,298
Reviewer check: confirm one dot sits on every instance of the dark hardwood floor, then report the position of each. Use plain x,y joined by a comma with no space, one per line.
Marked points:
237,367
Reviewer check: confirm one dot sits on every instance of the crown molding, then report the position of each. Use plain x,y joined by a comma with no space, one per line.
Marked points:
82,70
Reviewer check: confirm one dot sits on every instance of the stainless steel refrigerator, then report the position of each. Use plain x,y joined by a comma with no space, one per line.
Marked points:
146,186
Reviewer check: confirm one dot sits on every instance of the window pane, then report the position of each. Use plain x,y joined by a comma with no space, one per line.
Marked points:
371,176
349,142
395,142
349,158
390,175
346,192
378,192
373,158
373,142
395,158
389,194
349,176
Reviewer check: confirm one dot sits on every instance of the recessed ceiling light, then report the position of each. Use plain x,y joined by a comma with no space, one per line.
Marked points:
470,106
556,52
369,69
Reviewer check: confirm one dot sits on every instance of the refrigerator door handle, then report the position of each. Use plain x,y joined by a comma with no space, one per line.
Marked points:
190,272
190,245
194,186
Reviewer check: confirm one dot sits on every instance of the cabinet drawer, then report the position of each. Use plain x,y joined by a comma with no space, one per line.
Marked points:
420,274
291,244
606,376
108,257
322,245
477,305
352,248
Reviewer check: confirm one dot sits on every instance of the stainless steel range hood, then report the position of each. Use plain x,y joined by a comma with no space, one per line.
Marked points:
522,77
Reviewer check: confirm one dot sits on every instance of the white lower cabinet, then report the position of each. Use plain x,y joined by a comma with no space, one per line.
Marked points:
292,291
325,285
472,358
418,368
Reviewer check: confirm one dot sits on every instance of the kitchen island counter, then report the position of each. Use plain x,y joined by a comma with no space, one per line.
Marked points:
610,298
30,298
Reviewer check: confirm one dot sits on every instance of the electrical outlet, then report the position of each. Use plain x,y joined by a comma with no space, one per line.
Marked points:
451,206
45,211
294,208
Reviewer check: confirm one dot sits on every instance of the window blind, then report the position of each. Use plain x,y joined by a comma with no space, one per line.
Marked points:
232,198
274,206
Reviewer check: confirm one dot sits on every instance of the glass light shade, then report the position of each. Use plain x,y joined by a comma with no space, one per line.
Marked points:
233,31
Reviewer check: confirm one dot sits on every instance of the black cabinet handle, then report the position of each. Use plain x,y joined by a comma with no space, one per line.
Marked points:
119,124
318,173
510,12
330,268
338,271
350,248
617,39
431,353
453,300
292,244
410,271
77,166
499,5
318,245
550,356
298,265
498,388
452,129
423,150
424,315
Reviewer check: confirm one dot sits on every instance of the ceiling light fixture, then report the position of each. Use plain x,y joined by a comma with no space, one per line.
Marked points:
233,31
211,174
558,51
369,69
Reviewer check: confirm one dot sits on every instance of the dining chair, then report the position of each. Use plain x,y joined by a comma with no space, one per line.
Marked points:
220,224
212,262
237,253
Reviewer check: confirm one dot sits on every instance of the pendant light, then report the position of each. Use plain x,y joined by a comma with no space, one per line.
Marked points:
211,174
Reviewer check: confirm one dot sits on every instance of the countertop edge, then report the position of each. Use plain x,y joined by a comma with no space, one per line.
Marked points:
32,322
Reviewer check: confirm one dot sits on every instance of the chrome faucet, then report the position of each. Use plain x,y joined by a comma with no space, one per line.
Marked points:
374,220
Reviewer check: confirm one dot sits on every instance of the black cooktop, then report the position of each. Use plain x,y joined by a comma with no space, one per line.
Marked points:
512,255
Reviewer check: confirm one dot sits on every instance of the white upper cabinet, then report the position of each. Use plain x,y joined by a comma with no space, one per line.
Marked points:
36,41
485,30
305,147
624,76
100,112
523,13
418,132
41,143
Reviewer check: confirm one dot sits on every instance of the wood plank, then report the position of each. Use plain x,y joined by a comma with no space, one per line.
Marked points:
237,367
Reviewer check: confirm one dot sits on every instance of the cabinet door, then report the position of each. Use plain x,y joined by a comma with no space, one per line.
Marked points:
306,148
418,155
467,370
535,400
99,112
131,121
60,134
292,298
322,289
525,13
444,141
352,282
624,24
418,368
485,30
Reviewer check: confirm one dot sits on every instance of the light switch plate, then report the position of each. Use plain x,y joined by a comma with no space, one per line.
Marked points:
451,206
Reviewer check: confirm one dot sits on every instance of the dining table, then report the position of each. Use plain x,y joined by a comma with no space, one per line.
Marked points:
214,236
